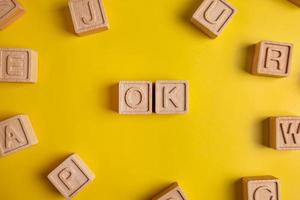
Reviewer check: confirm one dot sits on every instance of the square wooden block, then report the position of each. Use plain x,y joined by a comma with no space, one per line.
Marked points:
10,11
135,97
261,188
88,16
272,59
296,2
18,65
16,133
212,16
71,176
285,133
173,192
171,97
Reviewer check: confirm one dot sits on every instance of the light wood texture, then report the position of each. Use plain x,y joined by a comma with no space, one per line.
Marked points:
135,97
16,133
296,2
285,133
272,59
212,16
171,97
173,192
71,176
88,16
18,65
261,188
10,11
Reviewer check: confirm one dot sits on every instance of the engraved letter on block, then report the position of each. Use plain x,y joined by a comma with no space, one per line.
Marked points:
173,192
10,11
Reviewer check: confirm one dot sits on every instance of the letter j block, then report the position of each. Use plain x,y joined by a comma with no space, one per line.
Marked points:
212,16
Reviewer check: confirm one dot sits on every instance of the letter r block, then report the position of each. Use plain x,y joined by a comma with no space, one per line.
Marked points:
10,11
261,188
272,59
71,176
212,16
173,192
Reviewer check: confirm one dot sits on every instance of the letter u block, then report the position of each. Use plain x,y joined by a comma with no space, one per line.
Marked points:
88,16
212,16
10,11
173,192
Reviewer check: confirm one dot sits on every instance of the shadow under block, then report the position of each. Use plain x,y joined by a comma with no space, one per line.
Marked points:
272,59
212,17
18,65
171,97
261,188
135,97
297,2
10,11
173,192
285,133
71,176
16,133
88,16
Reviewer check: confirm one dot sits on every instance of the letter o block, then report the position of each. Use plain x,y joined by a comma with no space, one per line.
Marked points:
135,97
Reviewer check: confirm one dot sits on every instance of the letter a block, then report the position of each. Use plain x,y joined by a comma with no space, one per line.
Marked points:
10,11
171,97
261,188
285,133
135,97
173,192
88,16
272,59
212,16
16,133
71,176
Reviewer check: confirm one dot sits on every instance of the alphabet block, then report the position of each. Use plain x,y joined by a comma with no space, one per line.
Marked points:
272,59
296,2
171,97
10,11
18,65
135,97
212,16
173,192
16,133
261,188
71,176
88,16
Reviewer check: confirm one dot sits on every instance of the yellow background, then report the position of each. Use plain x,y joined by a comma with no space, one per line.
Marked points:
72,107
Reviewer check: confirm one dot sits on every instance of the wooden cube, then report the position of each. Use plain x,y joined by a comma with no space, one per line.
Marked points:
71,176
296,2
18,65
272,59
212,16
173,192
261,188
285,133
10,11
16,133
171,97
88,16
135,97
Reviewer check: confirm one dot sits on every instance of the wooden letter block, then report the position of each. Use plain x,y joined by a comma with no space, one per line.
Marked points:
261,188
272,59
16,133
173,192
10,11
135,97
296,2
18,65
171,97
71,176
212,16
285,133
88,16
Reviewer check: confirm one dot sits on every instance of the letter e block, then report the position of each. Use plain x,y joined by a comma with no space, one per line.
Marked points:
135,97
71,176
88,16
212,16
10,11
171,97
272,59
16,133
261,188
173,192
